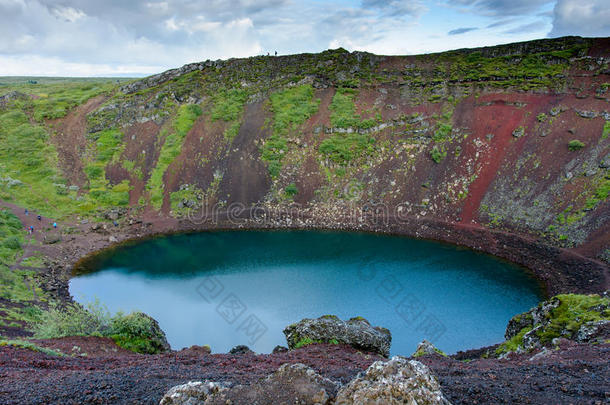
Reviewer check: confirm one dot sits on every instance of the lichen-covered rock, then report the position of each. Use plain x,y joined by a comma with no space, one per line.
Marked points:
356,332
192,393
581,318
519,132
290,384
426,348
398,381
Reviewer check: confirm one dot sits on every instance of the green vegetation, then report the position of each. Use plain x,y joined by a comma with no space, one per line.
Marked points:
291,108
606,130
438,153
344,148
575,145
343,111
525,71
24,344
28,167
542,117
228,107
291,190
15,285
308,341
189,194
105,147
573,311
172,146
134,331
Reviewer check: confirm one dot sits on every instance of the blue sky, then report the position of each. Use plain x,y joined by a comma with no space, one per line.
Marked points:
120,37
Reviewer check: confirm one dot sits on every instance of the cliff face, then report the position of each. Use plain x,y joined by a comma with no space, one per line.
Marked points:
513,138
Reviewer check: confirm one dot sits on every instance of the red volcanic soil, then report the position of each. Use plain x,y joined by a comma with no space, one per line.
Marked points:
108,375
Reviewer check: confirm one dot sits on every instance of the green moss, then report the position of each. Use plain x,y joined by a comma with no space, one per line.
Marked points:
307,341
573,311
542,117
575,145
172,146
514,343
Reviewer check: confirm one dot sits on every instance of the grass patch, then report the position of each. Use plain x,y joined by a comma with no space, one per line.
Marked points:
291,108
183,122
344,148
606,130
228,107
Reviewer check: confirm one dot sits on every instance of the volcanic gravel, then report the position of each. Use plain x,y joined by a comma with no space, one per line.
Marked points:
574,374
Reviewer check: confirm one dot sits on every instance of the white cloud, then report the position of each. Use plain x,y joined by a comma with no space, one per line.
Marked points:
581,17
68,14
118,36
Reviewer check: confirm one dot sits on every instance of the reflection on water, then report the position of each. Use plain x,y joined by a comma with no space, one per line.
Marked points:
230,288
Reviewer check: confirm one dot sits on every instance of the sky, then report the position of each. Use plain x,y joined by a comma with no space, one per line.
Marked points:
140,37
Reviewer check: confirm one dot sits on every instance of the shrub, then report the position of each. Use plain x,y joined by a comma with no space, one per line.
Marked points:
437,154
73,320
136,331
575,144
291,189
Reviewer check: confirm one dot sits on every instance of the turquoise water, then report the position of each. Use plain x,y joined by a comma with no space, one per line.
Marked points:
226,288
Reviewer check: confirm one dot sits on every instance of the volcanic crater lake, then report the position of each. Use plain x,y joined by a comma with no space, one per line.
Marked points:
226,288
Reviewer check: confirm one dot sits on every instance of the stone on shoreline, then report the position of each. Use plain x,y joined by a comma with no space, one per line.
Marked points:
356,332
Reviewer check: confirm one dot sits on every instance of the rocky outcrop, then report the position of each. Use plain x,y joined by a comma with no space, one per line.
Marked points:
241,349
426,348
581,318
398,381
290,384
356,332
191,393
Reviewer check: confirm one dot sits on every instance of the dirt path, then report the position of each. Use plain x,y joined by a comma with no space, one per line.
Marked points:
70,141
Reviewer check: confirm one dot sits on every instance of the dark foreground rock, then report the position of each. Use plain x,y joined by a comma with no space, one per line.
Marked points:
356,332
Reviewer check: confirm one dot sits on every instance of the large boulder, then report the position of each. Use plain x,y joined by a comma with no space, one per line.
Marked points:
356,332
191,393
581,318
290,384
398,381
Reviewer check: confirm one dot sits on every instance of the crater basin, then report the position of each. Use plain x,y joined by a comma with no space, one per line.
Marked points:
226,288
